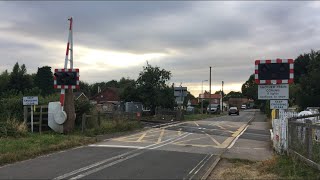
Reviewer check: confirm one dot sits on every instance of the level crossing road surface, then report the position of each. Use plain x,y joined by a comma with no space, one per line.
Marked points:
185,150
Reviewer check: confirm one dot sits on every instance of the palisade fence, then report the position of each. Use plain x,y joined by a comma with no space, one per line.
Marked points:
304,138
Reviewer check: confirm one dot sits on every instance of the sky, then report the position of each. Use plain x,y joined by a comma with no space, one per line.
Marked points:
116,39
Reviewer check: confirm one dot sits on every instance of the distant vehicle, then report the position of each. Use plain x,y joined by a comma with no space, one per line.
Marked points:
234,110
214,108
244,106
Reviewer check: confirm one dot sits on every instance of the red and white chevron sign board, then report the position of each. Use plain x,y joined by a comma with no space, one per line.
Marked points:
66,86
273,81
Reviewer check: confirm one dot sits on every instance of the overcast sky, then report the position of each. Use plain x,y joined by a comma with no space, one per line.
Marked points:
115,39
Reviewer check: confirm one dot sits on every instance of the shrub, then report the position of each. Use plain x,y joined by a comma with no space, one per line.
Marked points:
12,128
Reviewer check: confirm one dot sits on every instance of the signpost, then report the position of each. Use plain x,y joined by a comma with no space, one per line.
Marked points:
180,93
278,91
30,101
278,104
273,78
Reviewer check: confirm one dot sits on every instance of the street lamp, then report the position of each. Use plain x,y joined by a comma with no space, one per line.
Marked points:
202,97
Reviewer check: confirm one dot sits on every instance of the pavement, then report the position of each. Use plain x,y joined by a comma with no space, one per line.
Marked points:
187,150
255,143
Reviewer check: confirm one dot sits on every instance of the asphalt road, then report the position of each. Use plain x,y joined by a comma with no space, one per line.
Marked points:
179,151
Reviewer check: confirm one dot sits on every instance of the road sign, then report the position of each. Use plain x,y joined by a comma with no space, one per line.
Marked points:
179,90
278,71
278,104
30,100
277,91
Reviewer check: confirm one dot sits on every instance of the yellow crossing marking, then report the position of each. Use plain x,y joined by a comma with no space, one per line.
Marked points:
196,123
230,139
215,141
141,137
160,137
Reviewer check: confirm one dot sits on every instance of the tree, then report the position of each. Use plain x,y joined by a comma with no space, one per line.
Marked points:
85,88
44,80
233,94
150,83
309,92
4,81
250,89
19,79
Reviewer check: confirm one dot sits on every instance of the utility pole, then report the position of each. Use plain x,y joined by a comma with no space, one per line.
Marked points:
203,96
222,97
210,93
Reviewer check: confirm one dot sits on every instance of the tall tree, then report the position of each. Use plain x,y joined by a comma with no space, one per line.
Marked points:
4,81
19,79
151,81
250,89
44,80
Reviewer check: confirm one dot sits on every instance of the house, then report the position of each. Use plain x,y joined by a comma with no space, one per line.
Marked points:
213,98
107,100
80,96
109,95
237,102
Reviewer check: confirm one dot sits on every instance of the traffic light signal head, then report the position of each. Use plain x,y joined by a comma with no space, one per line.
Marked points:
66,79
279,71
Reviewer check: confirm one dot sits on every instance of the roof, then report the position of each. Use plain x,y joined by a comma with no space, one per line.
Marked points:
206,95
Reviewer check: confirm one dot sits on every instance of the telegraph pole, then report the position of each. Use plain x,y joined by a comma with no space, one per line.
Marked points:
210,93
222,97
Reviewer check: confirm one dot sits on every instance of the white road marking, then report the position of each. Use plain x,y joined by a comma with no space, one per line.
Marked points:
64,176
115,146
121,160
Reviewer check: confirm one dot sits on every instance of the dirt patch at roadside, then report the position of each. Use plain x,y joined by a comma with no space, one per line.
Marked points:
240,169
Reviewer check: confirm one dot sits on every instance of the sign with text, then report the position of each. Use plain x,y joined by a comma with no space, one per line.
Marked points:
180,91
30,100
277,91
278,104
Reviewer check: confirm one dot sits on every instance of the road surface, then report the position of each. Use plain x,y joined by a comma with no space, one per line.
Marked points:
179,151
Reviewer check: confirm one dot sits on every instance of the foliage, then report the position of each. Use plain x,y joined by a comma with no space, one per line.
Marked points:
151,85
232,94
308,78
81,107
12,128
44,80
289,168
19,79
4,81
114,126
250,89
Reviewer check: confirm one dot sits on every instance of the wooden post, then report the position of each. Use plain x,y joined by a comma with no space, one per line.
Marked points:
40,120
99,122
309,138
83,122
25,114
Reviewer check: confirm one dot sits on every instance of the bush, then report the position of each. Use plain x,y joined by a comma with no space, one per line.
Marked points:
81,107
12,128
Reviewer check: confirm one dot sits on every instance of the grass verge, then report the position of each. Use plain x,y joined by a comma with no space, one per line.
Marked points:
32,145
13,149
278,167
108,127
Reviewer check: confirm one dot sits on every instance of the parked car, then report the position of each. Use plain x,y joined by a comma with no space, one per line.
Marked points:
244,106
214,108
234,110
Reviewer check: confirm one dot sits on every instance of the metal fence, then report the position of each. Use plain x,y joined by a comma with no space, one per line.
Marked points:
304,138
